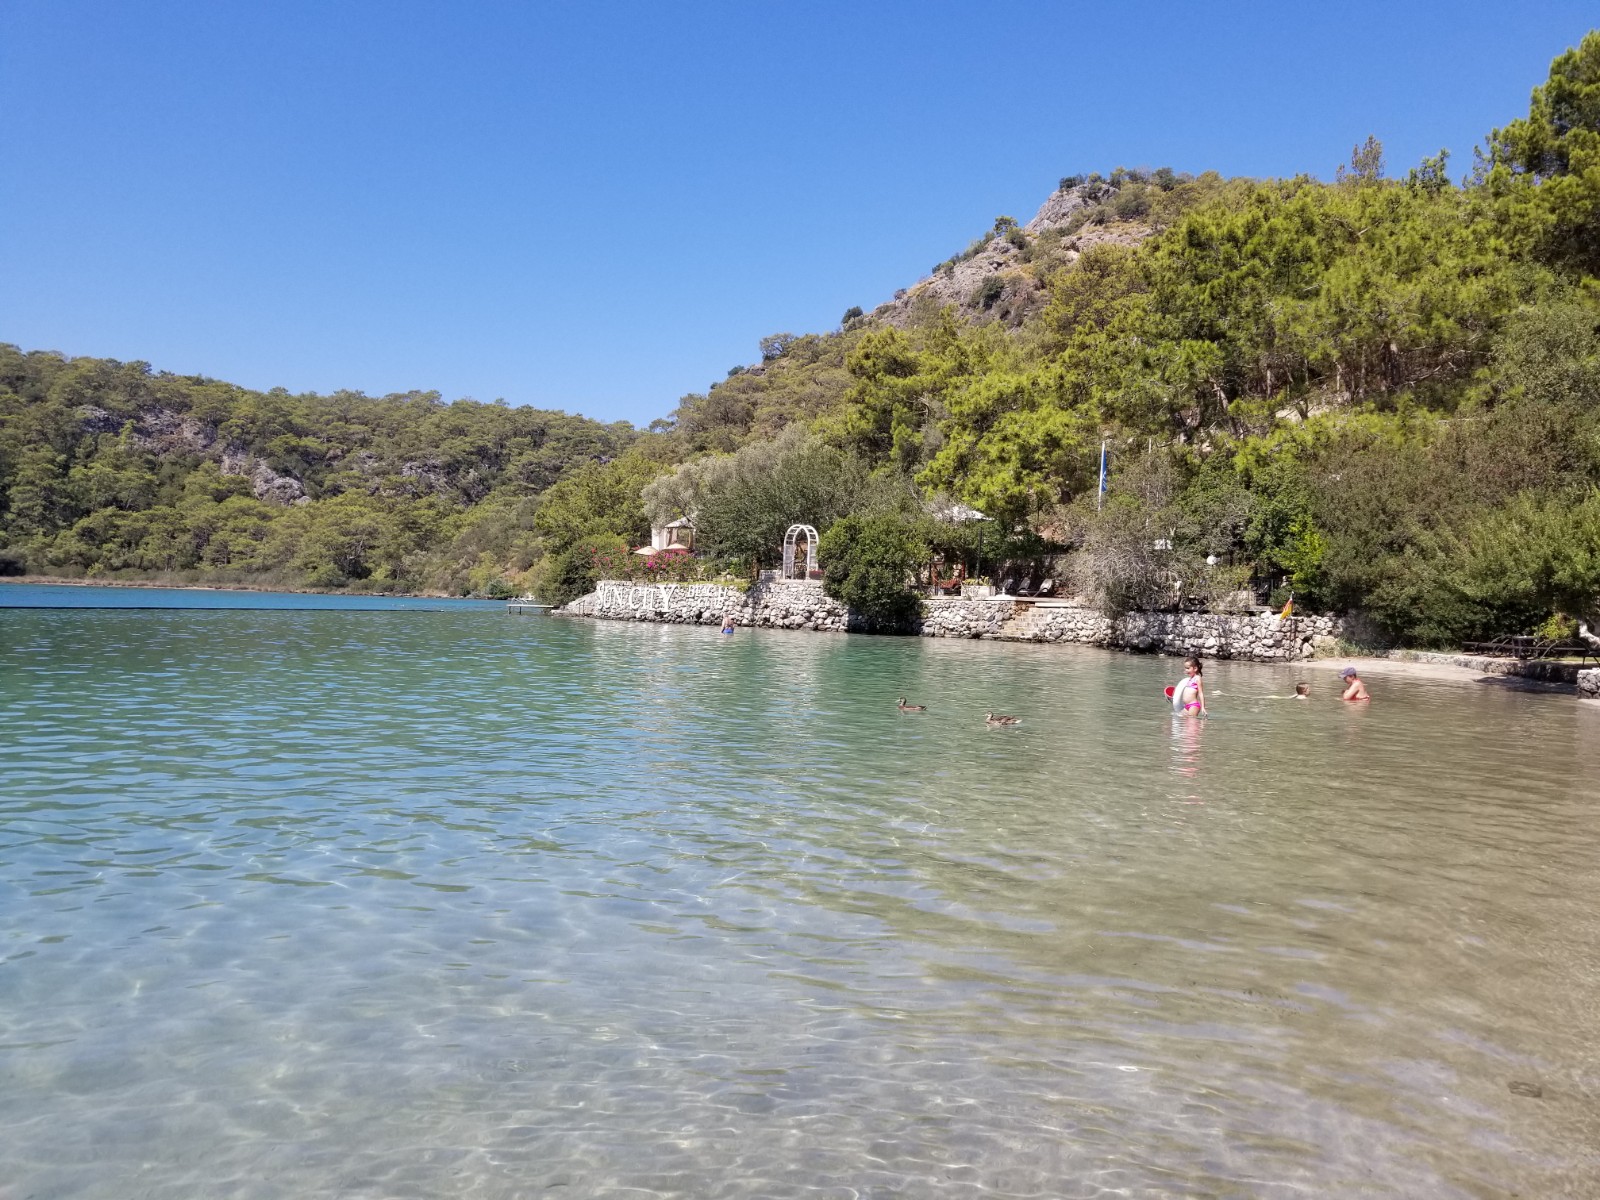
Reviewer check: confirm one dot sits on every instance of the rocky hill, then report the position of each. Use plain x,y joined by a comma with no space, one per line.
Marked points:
1002,275
1002,280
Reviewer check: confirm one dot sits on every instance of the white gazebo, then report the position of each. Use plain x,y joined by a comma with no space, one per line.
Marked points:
674,535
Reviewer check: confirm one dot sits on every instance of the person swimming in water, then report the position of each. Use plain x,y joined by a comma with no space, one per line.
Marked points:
1354,689
1189,696
1302,691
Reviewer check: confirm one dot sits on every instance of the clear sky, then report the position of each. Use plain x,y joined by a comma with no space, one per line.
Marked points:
601,206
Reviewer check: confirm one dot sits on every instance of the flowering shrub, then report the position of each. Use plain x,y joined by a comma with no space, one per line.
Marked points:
673,565
664,566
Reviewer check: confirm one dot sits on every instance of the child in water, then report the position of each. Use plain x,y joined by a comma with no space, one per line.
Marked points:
1189,697
1302,692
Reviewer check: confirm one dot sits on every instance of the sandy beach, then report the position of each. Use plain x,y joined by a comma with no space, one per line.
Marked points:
1401,669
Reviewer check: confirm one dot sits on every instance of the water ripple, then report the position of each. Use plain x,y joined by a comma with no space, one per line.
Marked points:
444,904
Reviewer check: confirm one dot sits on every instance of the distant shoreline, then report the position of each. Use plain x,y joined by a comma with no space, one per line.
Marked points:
56,581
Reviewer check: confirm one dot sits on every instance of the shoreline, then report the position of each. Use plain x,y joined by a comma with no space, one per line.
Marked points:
1379,665
58,581
1399,663
1310,641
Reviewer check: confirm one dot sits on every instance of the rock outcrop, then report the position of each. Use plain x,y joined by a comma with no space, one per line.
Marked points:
162,431
1064,204
1004,281
266,483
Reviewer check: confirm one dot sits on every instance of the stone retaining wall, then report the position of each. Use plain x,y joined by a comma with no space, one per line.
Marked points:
1261,637
954,617
795,604
803,605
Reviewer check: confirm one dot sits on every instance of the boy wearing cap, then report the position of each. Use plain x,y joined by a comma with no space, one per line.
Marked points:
1354,689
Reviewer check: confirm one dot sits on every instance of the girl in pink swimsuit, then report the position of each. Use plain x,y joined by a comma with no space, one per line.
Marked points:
1189,697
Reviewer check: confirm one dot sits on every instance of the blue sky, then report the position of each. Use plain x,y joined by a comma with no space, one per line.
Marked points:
602,206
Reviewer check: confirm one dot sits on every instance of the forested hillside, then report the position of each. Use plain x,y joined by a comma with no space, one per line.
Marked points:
1380,393
112,469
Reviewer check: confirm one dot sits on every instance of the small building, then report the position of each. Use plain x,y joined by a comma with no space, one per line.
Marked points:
674,535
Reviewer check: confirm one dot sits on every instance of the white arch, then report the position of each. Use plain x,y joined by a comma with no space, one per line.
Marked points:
789,539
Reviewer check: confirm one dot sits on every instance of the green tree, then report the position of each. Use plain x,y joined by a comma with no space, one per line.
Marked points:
1366,163
1517,565
339,544
599,498
1011,446
749,500
869,563
1544,168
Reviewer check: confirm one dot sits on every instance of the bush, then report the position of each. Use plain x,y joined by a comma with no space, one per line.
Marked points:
1131,204
776,346
1123,565
1520,565
573,572
987,292
868,564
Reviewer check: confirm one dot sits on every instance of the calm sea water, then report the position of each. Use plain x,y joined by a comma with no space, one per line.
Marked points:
30,595
417,903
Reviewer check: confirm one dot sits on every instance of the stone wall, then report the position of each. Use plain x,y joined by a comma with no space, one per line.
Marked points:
799,604
1261,637
955,617
793,604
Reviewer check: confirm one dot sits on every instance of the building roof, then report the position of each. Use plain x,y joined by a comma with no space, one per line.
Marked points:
952,512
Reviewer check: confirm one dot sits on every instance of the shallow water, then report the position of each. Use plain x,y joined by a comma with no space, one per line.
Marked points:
439,904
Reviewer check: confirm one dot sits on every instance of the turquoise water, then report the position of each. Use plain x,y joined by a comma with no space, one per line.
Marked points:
47,595
421,903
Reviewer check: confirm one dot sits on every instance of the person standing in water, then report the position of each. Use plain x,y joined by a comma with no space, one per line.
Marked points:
1189,696
1354,689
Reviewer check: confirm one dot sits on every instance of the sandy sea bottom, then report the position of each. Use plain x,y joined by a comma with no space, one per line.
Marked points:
433,904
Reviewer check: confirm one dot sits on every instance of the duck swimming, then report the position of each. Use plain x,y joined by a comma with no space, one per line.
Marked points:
1002,719
904,707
